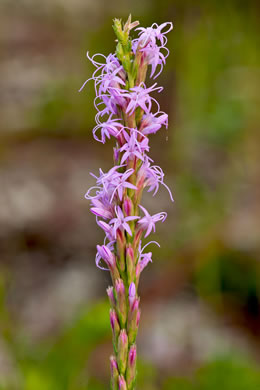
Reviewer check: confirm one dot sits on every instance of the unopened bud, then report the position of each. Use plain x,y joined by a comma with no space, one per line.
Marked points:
123,40
133,321
117,26
120,244
140,185
131,366
111,296
115,326
131,293
138,317
137,273
130,263
119,51
136,241
122,383
128,207
114,373
121,301
122,351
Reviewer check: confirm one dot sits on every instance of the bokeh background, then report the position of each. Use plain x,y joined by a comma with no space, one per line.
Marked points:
200,327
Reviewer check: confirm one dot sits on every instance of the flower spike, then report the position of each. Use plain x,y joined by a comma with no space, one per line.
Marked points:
127,113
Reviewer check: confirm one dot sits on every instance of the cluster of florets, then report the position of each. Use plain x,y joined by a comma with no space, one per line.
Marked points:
110,202
127,112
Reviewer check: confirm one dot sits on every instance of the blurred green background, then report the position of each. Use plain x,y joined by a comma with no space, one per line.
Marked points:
200,327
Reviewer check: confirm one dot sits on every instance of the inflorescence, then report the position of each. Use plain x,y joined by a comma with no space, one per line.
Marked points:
127,111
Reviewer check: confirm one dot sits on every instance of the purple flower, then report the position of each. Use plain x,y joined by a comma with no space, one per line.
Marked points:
105,179
121,182
133,148
145,258
110,79
139,97
120,222
153,176
150,34
104,252
101,210
155,57
102,206
108,128
108,184
148,221
107,229
108,103
111,67
117,97
151,123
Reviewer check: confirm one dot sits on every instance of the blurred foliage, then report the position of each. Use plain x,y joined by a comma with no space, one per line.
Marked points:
226,374
230,273
63,113
60,362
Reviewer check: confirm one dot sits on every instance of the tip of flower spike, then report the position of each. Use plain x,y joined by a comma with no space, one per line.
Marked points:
122,31
130,25
117,27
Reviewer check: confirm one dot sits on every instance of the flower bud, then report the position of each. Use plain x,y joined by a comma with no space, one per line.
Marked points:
120,244
136,241
114,373
128,207
111,296
138,317
133,321
121,383
123,48
130,263
131,366
131,293
137,273
121,302
122,351
115,326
